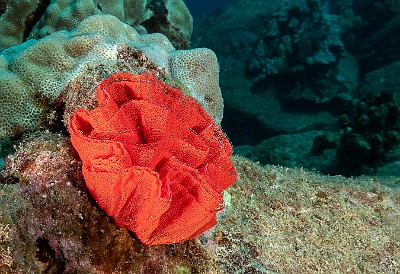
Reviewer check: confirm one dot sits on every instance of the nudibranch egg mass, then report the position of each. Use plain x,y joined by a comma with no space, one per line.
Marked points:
153,158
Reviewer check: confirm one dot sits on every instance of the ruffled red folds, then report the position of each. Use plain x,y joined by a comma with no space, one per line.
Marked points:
153,159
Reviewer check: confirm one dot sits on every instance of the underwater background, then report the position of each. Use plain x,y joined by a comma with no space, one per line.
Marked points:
310,98
309,83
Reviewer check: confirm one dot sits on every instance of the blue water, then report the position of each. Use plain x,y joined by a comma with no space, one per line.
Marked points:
202,8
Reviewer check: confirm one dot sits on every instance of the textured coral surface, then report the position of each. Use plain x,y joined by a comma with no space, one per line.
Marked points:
153,159
34,74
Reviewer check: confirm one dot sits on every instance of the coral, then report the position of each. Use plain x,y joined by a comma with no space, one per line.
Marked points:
366,141
302,45
24,19
370,135
153,159
52,225
80,92
34,74
198,70
13,21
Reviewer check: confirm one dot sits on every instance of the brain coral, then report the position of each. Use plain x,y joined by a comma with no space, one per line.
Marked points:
25,19
35,73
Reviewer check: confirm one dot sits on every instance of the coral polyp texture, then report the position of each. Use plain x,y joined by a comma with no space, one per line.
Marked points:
153,159
24,19
39,74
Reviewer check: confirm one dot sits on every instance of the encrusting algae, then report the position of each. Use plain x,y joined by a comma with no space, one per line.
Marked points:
276,220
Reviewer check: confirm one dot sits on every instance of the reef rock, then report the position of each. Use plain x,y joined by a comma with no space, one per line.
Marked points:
276,219
50,224
383,79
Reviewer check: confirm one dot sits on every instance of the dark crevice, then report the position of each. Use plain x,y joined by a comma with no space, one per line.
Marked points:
34,17
47,256
3,5
159,17
244,129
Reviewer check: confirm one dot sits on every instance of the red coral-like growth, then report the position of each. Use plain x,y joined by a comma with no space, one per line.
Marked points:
153,159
